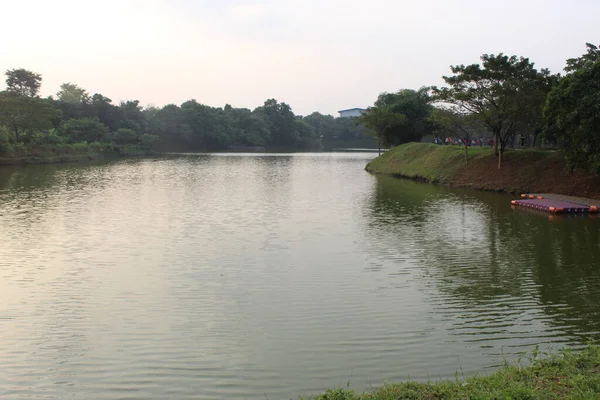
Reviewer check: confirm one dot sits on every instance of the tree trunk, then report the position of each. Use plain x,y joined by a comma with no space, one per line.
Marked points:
17,134
379,144
496,152
466,155
500,159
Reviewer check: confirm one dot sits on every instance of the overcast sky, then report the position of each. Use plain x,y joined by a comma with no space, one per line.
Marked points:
316,55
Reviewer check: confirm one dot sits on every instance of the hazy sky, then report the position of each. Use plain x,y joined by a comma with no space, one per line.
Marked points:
321,55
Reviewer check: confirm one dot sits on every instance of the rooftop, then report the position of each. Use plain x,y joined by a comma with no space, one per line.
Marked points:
352,109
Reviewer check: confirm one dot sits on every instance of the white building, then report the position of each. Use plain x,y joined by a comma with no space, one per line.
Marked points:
351,112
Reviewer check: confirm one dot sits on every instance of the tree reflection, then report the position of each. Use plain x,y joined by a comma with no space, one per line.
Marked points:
504,265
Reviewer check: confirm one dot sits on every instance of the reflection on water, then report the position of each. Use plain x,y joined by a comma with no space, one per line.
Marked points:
245,276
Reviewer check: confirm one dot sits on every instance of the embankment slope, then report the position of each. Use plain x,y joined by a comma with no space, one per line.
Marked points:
529,170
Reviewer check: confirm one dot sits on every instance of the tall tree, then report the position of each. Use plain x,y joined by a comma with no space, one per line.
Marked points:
72,93
23,82
533,98
254,130
281,122
572,113
414,106
494,92
590,57
22,114
102,108
379,120
131,116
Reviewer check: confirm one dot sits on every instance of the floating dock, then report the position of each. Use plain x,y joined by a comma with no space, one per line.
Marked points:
553,205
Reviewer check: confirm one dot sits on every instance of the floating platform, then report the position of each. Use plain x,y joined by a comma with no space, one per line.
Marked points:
553,205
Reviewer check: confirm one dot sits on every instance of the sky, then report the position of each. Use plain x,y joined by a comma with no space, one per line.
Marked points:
316,55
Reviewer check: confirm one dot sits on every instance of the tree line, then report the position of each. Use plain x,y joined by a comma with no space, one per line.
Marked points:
75,116
502,97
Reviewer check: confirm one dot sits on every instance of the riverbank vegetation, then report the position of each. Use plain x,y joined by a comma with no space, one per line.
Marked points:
525,170
503,101
75,121
566,374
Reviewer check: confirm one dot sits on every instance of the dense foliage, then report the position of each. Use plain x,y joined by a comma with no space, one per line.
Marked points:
572,111
400,117
75,116
497,101
504,95
500,100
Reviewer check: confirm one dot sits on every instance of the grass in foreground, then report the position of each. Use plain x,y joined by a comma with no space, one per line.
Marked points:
564,375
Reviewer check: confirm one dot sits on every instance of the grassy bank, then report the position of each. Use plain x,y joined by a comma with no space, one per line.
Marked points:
563,375
528,170
65,153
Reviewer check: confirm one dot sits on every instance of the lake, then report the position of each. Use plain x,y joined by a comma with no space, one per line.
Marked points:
231,276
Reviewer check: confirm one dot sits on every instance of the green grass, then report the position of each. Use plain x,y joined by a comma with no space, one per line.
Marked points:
427,161
523,170
566,374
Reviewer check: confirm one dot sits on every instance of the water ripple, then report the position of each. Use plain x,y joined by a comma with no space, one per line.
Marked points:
240,277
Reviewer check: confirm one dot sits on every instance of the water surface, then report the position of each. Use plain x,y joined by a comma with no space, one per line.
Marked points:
269,276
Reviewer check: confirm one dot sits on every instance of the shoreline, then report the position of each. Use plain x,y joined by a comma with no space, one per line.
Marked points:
564,374
523,171
23,160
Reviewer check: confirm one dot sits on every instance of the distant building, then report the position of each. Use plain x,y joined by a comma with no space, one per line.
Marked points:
351,112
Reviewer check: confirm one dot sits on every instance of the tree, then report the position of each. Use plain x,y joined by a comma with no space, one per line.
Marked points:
379,120
169,124
493,92
22,114
72,93
148,141
572,113
462,125
23,82
84,130
591,57
101,107
131,116
254,130
307,137
415,107
124,136
210,128
531,120
281,119
324,125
